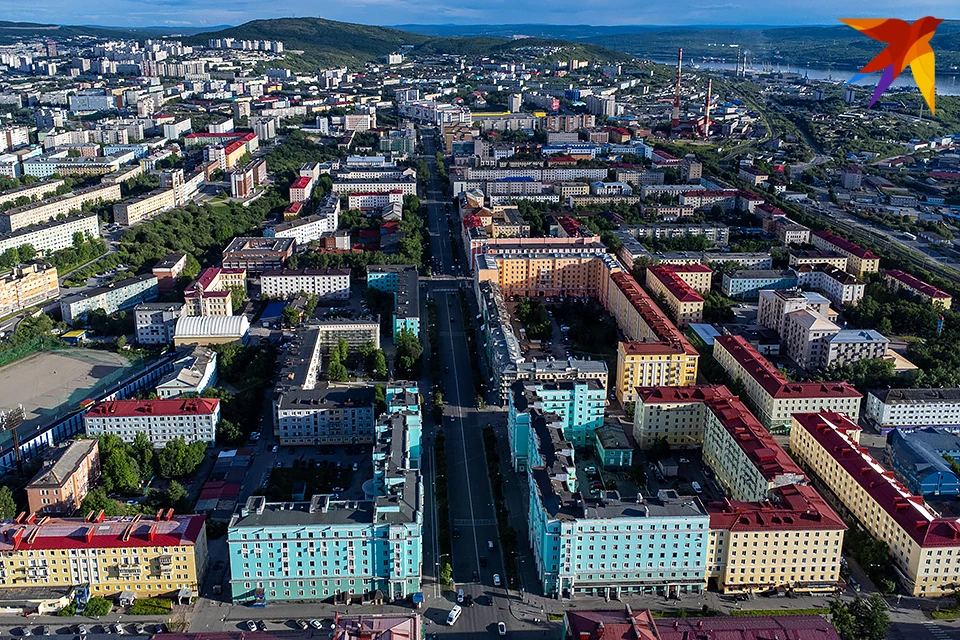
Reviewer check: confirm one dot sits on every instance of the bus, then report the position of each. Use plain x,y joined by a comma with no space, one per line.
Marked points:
454,615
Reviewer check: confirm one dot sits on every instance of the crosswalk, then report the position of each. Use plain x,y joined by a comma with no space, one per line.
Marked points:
941,632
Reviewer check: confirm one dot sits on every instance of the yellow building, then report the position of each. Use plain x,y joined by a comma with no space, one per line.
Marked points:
902,281
549,272
211,293
27,285
924,546
792,542
683,302
652,364
146,556
859,260
142,207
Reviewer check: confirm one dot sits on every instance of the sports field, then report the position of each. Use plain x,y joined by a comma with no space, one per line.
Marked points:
54,382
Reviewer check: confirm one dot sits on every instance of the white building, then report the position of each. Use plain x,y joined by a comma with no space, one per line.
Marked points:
326,284
54,235
193,373
805,334
910,408
193,419
836,284
850,345
155,321
304,230
110,298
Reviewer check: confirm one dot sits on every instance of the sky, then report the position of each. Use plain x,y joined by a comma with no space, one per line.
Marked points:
198,13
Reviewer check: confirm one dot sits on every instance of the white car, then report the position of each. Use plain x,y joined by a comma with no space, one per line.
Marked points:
683,461
459,596
501,629
316,624
496,579
251,625
696,486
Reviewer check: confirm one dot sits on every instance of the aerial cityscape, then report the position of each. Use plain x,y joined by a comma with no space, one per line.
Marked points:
484,323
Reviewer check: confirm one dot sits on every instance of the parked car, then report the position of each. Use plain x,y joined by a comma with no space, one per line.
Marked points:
316,624
496,579
501,629
138,628
46,630
468,600
262,625
24,631
82,629
275,449
696,486
303,624
459,596
683,461
251,625
118,628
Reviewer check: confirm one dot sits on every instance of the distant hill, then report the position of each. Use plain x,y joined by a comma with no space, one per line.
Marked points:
11,32
327,42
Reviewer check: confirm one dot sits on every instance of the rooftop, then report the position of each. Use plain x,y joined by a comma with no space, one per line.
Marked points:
164,530
917,396
916,284
857,336
677,287
258,245
792,507
65,465
845,245
910,512
169,407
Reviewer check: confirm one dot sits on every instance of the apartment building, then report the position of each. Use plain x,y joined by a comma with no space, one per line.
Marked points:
257,255
168,270
792,541
356,332
775,304
306,230
718,234
155,322
924,547
403,282
47,210
684,304
851,345
373,200
775,399
911,408
790,232
290,551
64,481
550,371
36,191
577,404
110,298
45,166
193,419
326,284
674,414
747,284
53,235
130,212
211,293
902,281
148,557
611,545
310,412
840,286
814,257
746,460
301,189
860,261
194,372
406,185
244,180
806,334
26,285
541,273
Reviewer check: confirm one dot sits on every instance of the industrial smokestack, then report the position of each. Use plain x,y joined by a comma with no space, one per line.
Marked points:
706,109
675,117
736,72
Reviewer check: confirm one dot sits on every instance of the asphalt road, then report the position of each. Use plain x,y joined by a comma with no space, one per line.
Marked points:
471,499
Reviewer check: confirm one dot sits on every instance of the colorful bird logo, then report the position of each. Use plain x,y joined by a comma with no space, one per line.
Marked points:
908,44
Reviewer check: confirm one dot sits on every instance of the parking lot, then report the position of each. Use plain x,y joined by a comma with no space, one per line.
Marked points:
85,630
337,469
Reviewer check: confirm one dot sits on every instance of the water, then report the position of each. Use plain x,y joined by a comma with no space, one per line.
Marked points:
947,85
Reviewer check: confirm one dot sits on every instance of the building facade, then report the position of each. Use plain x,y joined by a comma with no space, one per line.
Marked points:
63,483
193,419
326,284
156,322
110,298
26,285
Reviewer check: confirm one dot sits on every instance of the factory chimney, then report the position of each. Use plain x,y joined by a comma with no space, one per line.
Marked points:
675,118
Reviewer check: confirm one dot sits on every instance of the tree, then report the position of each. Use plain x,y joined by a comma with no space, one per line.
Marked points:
97,607
27,252
177,496
178,458
191,269
409,349
98,500
237,297
379,364
291,316
228,433
8,507
343,347
336,371
143,452
861,619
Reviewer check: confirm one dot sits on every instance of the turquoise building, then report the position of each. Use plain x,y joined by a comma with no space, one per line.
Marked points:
403,282
336,544
578,405
607,544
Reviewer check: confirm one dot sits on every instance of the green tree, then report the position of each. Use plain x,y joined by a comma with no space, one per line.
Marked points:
409,349
8,507
143,452
861,619
98,500
237,297
97,607
191,269
177,497
228,433
379,365
336,370
343,348
178,459
291,316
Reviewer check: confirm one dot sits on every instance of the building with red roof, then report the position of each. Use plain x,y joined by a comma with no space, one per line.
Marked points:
903,281
148,556
860,260
301,189
925,546
774,398
193,419
683,302
211,293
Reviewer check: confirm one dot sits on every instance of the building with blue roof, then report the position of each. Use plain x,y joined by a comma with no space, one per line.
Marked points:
918,461
850,345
